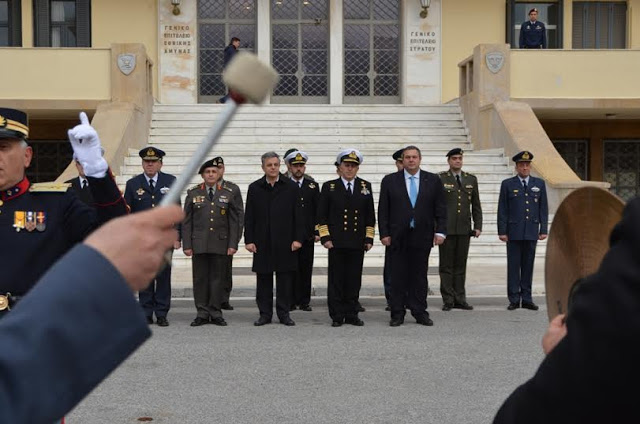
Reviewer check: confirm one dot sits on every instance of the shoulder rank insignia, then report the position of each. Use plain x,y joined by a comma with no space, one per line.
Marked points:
140,191
51,187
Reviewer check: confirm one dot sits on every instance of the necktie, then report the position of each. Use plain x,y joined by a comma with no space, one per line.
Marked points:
349,189
151,185
211,193
85,184
413,196
458,180
524,184
300,183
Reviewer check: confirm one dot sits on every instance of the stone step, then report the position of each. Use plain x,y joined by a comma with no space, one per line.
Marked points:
265,143
306,109
320,119
379,129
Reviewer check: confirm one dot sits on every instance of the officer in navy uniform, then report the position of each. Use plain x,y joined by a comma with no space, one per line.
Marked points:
346,222
41,222
463,205
142,192
533,34
210,236
309,195
523,215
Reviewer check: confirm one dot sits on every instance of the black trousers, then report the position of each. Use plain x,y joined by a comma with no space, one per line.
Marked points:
209,273
520,257
345,280
409,283
157,296
302,283
453,268
228,281
386,273
264,294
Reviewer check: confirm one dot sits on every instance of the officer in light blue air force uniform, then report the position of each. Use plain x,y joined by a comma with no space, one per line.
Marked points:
523,215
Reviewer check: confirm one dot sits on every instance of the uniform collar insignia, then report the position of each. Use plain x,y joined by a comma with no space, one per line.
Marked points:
15,191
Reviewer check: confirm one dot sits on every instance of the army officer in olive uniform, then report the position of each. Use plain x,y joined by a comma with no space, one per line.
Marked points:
210,234
463,204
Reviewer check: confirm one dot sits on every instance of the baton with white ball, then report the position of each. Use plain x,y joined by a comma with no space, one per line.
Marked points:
249,80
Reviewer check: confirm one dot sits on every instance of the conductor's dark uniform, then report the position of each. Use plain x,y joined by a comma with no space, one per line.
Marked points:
523,215
346,217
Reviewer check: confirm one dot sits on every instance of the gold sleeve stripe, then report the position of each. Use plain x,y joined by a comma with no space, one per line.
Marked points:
323,230
370,232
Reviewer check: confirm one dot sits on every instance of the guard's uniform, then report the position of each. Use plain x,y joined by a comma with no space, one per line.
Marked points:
463,203
41,222
210,227
309,197
523,215
533,35
140,196
348,221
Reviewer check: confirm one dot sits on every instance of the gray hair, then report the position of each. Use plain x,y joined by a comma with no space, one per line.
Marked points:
23,144
269,155
412,148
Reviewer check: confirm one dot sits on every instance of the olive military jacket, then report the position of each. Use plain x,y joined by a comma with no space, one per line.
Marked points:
211,226
463,203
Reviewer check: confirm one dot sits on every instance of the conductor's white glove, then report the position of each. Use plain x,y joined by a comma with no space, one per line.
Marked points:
86,147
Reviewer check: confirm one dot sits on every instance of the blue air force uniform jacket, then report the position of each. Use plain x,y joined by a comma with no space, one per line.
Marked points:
64,338
533,35
523,214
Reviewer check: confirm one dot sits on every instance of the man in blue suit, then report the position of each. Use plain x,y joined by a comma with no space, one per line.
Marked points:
523,215
143,192
69,333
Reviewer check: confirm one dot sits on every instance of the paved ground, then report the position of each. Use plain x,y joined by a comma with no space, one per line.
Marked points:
458,371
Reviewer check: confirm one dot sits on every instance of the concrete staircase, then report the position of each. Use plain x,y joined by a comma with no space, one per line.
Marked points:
322,131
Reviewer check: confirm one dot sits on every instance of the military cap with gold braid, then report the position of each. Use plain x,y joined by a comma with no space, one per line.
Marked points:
151,153
523,156
296,157
350,155
13,124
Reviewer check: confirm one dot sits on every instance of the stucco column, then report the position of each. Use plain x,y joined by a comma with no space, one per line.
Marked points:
336,52
263,33
491,73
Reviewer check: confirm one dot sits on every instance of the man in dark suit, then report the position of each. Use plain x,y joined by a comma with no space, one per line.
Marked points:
273,232
143,192
229,53
412,213
386,272
58,348
595,351
309,194
523,215
346,220
210,235
80,185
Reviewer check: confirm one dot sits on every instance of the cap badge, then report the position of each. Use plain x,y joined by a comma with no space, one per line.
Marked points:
151,152
525,156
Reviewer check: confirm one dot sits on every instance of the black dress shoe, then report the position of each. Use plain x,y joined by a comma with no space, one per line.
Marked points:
162,322
447,307
199,321
526,305
306,308
336,324
262,321
288,322
387,308
360,308
354,321
396,322
219,321
149,320
512,306
464,306
226,306
424,321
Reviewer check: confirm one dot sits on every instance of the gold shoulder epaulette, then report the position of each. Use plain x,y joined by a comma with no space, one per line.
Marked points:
50,187
468,174
443,172
194,187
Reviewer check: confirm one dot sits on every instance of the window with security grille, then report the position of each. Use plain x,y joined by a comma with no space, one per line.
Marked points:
62,23
599,25
622,167
10,23
372,51
300,50
50,158
575,153
549,12
218,22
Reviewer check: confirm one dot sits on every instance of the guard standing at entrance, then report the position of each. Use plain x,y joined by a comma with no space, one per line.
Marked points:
533,34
